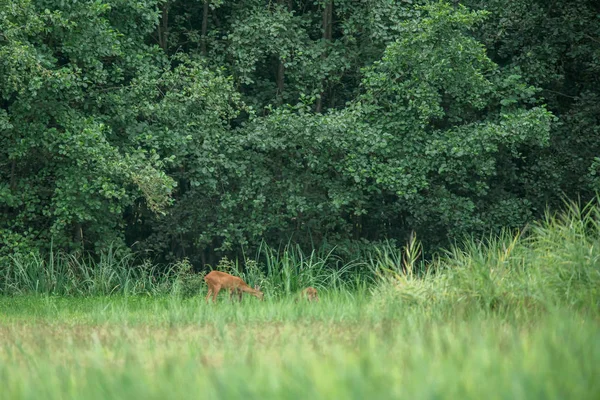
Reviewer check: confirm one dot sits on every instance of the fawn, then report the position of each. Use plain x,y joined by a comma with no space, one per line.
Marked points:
310,294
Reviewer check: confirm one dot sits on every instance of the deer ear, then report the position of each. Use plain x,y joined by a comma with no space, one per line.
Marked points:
257,287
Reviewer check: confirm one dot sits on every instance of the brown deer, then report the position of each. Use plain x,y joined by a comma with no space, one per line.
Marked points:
310,294
217,280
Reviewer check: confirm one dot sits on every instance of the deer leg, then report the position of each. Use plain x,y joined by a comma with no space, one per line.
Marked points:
210,291
216,291
235,292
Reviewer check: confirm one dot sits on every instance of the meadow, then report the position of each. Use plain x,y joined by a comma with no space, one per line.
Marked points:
516,316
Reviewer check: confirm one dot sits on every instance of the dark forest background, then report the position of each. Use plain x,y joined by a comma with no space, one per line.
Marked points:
196,129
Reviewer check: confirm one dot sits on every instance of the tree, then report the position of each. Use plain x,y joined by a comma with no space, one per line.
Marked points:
432,144
77,83
554,45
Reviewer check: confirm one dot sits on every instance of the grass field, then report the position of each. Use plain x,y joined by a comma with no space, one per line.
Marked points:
513,317
343,347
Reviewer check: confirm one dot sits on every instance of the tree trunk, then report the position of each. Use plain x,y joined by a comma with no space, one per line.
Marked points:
204,26
327,34
13,180
78,234
163,27
280,76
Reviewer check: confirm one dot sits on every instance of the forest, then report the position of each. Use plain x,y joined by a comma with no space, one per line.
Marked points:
201,129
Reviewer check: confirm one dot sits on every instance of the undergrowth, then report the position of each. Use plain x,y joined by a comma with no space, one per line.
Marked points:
554,261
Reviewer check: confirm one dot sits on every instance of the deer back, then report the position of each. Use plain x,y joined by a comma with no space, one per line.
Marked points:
224,280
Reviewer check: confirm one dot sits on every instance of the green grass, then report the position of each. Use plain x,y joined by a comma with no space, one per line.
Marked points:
515,316
343,347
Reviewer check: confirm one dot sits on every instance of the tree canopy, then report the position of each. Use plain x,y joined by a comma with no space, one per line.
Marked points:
192,128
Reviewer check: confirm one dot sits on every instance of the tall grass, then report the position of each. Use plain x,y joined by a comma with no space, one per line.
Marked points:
511,316
290,269
278,271
164,347
514,315
75,274
554,261
558,262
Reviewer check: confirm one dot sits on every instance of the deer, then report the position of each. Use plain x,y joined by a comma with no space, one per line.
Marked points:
310,294
217,280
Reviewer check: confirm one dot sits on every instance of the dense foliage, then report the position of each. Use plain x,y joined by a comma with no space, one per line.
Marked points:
195,128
